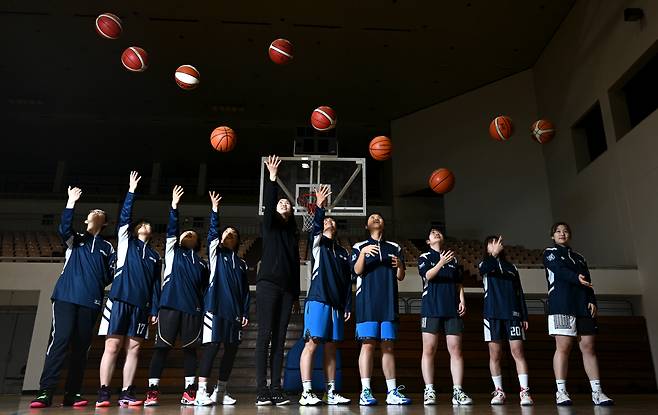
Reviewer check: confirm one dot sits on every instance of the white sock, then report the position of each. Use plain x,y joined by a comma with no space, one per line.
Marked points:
331,387
498,382
307,385
523,381
202,387
391,384
189,380
429,387
154,381
365,383
596,385
561,385
456,388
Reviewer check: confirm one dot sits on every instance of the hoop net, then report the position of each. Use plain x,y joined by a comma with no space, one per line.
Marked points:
307,201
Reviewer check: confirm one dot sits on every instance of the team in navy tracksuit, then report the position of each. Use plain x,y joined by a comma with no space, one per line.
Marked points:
76,302
226,306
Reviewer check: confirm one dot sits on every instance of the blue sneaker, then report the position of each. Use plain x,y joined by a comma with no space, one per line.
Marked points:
396,397
366,398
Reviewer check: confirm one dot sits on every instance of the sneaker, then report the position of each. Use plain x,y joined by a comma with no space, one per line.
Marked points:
309,399
104,396
335,398
263,397
152,396
459,397
429,397
498,397
525,398
599,398
128,398
220,395
43,400
366,398
279,398
75,400
203,399
396,397
189,395
562,398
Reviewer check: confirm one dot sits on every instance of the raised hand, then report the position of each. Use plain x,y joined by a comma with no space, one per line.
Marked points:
272,164
74,194
322,195
497,246
446,257
134,181
214,200
176,195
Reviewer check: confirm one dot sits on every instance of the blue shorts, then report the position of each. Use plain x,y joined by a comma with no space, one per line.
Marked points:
497,330
220,330
123,319
377,330
322,322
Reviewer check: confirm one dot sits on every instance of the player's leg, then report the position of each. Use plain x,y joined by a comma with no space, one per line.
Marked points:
518,353
282,317
495,356
563,345
208,355
454,345
430,343
308,397
336,334
113,344
80,344
317,323
365,367
267,297
132,347
166,332
225,367
190,331
591,364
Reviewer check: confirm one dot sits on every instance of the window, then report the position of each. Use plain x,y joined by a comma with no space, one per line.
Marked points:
589,137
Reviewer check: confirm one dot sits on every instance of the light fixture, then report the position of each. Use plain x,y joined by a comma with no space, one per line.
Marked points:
306,166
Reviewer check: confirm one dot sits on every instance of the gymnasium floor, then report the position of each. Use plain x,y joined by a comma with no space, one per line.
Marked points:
626,404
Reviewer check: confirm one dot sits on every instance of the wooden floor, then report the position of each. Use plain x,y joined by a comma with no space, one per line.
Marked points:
626,404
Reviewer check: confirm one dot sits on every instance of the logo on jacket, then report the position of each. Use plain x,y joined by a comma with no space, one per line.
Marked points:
551,257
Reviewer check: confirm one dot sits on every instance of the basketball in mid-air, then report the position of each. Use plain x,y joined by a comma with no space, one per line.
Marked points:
108,25
187,77
501,128
381,148
135,59
542,131
323,118
280,51
223,139
442,181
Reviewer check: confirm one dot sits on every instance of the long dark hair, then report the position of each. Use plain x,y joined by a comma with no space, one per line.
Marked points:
237,232
487,241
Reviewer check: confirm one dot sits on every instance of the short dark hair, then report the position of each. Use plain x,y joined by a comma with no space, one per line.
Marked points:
139,223
557,224
196,247
373,213
487,241
435,228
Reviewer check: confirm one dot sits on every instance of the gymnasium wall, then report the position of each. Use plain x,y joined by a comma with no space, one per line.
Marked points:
612,203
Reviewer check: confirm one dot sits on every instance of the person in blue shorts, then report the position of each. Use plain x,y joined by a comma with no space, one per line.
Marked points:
378,265
328,304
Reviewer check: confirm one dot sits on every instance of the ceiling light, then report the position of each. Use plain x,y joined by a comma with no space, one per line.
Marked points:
306,166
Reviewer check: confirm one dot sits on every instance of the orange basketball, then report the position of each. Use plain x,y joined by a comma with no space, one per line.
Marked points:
501,128
109,26
187,77
280,51
323,118
381,148
222,139
542,131
442,181
135,59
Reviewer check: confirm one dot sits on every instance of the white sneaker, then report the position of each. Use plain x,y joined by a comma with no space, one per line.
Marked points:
203,399
459,397
562,398
525,398
498,397
309,399
600,398
429,397
222,396
396,397
366,398
335,398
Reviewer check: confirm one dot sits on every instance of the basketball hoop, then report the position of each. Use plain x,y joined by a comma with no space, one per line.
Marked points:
307,201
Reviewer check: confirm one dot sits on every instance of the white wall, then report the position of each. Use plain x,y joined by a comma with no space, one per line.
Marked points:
454,134
612,204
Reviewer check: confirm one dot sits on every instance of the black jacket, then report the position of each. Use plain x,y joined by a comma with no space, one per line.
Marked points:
280,261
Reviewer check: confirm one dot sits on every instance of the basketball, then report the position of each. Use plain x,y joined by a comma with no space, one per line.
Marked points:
187,77
442,181
501,128
381,148
280,51
323,118
542,131
222,139
135,59
108,25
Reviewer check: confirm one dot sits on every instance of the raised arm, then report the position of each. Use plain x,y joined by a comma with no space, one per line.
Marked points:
270,192
66,224
213,230
172,229
322,195
125,218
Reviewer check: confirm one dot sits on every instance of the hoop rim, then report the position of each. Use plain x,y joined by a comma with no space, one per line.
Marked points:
303,200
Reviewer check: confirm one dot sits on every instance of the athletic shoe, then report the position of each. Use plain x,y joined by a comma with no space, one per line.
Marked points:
396,397
366,398
599,398
309,399
459,397
104,396
498,397
189,395
562,398
279,398
221,395
203,399
264,397
128,398
152,396
526,399
334,398
75,400
429,397
43,400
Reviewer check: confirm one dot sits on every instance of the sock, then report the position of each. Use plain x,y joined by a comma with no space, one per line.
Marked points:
307,385
456,388
202,387
391,384
365,383
561,385
429,387
596,385
221,385
331,387
154,381
523,381
498,382
189,380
